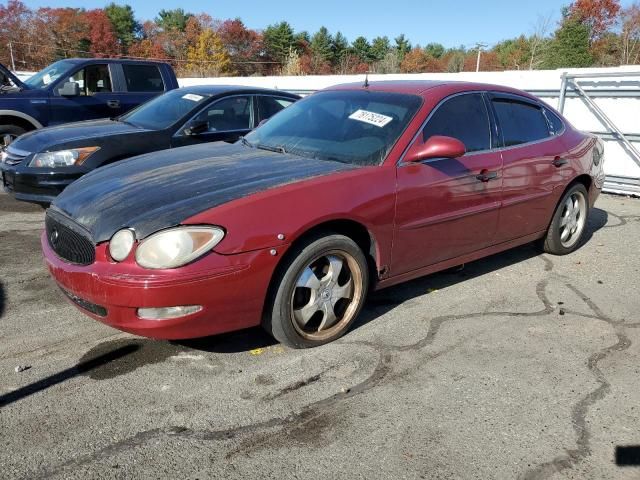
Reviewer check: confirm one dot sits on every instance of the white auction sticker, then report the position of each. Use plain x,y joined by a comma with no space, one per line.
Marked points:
193,97
46,79
372,118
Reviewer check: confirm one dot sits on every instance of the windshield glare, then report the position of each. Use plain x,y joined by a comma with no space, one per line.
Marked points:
164,110
49,74
357,127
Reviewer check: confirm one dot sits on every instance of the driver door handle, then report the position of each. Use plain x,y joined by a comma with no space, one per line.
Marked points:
113,103
485,176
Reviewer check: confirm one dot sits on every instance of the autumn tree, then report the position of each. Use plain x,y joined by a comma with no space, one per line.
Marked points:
244,45
597,15
16,26
66,30
102,38
208,56
415,61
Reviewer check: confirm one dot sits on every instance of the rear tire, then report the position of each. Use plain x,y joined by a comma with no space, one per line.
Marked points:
569,222
318,292
8,133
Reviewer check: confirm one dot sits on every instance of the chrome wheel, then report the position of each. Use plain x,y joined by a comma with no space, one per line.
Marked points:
326,295
573,219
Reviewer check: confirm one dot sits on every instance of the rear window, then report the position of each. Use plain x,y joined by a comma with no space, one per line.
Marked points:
556,124
520,122
143,78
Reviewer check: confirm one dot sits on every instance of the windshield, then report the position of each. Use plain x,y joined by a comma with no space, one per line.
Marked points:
49,74
165,110
358,127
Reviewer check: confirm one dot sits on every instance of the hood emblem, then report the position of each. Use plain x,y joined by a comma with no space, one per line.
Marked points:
53,236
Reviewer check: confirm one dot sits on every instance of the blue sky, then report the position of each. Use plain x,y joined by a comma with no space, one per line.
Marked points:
452,23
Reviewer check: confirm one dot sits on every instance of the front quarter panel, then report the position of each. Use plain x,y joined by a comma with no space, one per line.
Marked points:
365,195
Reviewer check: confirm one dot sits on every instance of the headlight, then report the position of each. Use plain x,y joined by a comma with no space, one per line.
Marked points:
177,246
121,244
62,158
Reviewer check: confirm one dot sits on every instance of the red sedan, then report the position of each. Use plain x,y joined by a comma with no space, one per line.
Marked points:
356,187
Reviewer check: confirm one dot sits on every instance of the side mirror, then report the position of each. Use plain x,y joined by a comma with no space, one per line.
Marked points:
437,146
69,89
196,128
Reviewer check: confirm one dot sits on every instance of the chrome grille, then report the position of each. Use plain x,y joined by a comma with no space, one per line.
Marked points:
12,156
68,242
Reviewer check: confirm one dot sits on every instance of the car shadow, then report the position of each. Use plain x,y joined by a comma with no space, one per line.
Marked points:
383,301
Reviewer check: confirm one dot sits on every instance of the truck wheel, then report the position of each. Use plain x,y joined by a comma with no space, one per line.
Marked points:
319,292
8,133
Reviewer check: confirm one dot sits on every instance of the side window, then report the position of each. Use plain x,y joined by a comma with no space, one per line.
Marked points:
463,117
143,78
97,79
78,78
556,124
92,79
233,113
269,106
520,122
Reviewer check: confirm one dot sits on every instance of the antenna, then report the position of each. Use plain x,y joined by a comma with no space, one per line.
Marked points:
366,80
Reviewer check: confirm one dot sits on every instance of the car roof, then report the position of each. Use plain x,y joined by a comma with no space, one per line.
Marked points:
225,89
420,87
113,60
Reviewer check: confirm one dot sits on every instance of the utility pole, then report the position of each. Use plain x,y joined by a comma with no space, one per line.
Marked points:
479,46
13,63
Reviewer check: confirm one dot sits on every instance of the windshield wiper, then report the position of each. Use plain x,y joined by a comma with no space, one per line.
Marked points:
246,142
278,149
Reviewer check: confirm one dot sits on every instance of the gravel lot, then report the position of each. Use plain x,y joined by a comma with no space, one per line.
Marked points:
519,366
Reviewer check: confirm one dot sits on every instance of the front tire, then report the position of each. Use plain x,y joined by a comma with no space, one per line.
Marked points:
569,222
318,293
8,133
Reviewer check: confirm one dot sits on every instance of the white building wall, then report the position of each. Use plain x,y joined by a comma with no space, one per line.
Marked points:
618,97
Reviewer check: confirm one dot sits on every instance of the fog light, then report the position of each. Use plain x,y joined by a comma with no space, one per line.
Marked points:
167,313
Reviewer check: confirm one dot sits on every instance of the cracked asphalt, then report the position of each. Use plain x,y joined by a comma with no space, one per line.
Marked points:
520,365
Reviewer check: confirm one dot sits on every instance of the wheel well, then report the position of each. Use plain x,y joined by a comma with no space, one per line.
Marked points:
349,228
583,179
17,121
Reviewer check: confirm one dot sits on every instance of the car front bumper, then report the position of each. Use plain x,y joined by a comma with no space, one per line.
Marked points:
230,288
35,187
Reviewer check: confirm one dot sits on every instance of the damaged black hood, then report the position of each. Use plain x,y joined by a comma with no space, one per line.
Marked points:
162,189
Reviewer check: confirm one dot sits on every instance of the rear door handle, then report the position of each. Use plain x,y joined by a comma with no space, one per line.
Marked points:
485,176
113,103
558,162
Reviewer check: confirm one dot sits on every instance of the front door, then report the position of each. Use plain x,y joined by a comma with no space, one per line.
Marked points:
449,207
226,120
96,99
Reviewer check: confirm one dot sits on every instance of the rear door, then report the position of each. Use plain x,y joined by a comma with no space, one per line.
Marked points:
97,98
140,82
444,207
227,120
532,165
268,106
